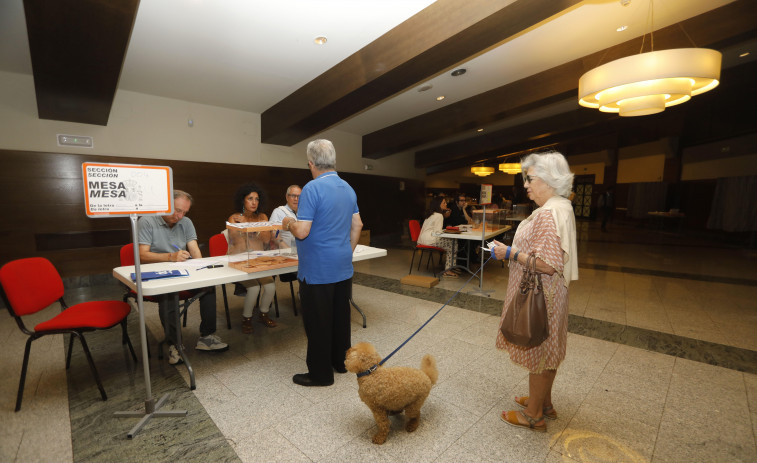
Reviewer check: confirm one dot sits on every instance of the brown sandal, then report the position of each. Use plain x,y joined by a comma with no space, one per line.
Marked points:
511,418
266,320
247,325
549,412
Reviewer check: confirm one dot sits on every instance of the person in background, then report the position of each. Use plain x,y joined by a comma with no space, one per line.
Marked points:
458,214
327,229
288,210
549,233
606,203
433,225
250,200
172,238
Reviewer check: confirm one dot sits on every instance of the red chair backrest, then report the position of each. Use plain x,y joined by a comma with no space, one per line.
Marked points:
30,284
218,246
127,255
415,229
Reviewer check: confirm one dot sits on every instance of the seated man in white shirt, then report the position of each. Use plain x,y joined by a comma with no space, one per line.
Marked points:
285,238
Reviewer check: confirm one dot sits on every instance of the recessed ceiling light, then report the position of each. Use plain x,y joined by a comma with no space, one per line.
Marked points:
440,98
621,28
425,88
458,72
743,55
320,40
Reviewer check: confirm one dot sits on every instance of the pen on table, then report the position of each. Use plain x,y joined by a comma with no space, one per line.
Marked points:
211,266
179,249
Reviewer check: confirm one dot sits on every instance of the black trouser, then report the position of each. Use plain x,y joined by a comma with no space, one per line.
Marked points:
168,305
326,316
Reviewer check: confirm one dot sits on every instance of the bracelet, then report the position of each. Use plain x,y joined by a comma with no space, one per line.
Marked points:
515,256
507,253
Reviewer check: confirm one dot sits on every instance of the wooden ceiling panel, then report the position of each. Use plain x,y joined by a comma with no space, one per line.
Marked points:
77,50
445,33
712,29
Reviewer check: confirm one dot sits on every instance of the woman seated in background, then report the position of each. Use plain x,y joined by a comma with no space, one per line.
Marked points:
433,225
249,199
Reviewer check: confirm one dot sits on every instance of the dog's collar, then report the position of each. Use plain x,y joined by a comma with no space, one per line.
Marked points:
368,371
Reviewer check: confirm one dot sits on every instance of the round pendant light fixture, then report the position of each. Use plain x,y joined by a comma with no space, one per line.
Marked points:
482,171
511,168
649,82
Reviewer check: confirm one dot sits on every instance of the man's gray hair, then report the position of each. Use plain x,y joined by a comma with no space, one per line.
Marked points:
552,167
183,194
289,188
322,154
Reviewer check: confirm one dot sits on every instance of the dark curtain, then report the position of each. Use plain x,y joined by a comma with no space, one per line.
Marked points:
646,197
734,205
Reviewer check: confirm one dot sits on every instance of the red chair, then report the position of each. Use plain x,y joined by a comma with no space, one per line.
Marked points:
30,285
415,232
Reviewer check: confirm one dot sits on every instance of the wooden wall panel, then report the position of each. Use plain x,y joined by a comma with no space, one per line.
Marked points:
43,196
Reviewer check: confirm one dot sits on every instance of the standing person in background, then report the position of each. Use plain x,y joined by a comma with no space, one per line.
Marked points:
250,200
606,204
327,229
288,210
550,235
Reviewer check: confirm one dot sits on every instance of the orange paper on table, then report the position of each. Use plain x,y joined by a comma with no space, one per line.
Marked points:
258,264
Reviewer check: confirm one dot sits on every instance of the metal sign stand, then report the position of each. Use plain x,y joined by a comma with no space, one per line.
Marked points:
481,291
152,409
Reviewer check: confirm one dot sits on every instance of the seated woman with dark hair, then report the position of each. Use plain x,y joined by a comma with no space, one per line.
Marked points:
433,225
249,199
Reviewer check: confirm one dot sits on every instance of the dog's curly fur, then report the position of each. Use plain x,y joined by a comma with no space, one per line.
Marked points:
391,390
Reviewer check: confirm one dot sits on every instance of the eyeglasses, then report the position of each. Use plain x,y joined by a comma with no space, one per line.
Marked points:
293,196
461,200
528,178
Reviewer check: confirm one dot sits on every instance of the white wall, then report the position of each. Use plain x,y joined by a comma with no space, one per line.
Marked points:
147,126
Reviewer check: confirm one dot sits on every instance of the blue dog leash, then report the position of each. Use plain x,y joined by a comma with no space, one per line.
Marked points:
373,368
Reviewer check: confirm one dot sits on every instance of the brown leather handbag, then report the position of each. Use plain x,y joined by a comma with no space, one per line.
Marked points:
526,322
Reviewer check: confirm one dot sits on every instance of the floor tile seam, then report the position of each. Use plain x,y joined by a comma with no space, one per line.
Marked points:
664,406
667,274
609,328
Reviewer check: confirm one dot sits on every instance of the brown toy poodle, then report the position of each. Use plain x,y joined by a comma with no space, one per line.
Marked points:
391,390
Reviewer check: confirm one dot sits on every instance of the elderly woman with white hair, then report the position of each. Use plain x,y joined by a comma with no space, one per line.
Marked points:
550,235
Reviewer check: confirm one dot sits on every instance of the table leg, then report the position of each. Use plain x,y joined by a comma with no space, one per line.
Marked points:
173,299
352,301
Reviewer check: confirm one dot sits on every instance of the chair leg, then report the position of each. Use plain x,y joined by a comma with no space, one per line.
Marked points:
412,259
70,348
125,339
186,309
294,301
22,381
226,306
276,303
92,365
421,259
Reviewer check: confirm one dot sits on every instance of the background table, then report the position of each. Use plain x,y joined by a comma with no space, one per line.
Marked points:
473,235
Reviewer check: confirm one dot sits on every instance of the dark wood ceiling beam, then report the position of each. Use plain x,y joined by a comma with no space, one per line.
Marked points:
443,34
715,115
77,49
709,29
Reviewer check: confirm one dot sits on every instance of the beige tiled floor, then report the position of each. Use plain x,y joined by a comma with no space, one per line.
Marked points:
615,402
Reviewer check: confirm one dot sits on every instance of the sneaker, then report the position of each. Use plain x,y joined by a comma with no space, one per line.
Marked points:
211,342
173,356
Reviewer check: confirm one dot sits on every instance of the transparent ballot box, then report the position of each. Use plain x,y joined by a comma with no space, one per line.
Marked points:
495,219
255,246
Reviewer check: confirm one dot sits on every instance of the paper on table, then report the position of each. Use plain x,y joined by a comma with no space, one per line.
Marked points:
360,248
198,263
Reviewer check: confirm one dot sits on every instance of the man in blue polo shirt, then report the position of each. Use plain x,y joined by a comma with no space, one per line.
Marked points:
327,229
